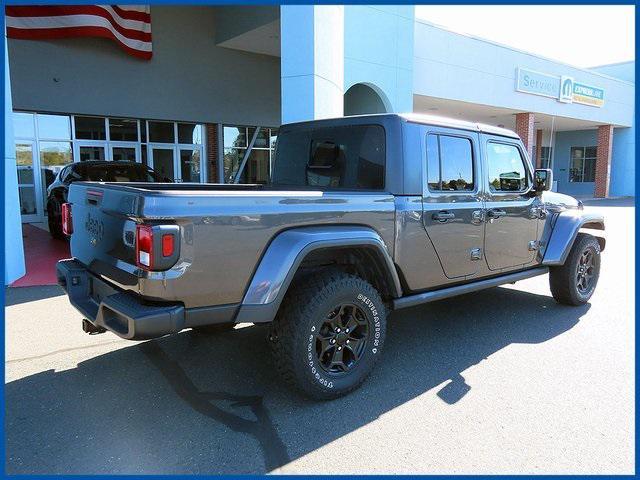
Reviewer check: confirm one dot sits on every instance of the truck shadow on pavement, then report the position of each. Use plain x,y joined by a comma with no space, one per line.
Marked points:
199,404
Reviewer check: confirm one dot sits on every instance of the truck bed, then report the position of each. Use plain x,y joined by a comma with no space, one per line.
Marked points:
224,231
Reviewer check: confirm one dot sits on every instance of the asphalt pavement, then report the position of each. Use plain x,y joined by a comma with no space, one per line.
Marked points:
500,381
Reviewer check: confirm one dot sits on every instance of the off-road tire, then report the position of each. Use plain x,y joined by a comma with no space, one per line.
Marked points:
304,311
563,279
215,329
54,218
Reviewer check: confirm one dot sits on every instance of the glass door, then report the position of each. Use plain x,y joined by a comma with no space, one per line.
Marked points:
30,207
189,167
124,153
163,160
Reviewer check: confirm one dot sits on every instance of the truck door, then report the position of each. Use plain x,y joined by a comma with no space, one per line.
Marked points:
512,212
452,205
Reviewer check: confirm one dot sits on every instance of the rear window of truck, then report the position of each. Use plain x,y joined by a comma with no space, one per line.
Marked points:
351,157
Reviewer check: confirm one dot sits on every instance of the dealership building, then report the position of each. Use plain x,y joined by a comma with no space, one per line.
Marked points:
207,105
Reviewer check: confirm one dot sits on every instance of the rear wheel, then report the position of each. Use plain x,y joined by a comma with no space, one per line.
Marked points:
54,218
328,334
574,282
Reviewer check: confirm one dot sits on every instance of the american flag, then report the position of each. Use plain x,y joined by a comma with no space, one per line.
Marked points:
128,25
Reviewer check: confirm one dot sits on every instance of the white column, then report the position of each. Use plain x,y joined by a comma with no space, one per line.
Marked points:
13,249
312,61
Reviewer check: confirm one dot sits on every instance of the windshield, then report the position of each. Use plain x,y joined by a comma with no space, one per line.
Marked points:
345,157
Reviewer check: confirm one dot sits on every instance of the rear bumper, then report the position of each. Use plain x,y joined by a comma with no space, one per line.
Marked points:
124,313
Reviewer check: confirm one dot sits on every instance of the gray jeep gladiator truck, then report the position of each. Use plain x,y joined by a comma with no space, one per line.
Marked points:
363,215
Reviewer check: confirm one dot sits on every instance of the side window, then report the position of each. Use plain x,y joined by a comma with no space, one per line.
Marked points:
505,165
449,163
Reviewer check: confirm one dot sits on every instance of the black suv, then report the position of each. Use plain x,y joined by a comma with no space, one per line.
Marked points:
93,171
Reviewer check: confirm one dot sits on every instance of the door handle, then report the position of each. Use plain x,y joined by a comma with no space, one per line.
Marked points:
443,216
495,213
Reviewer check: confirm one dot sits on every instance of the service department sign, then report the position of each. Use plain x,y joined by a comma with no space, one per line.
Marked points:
564,88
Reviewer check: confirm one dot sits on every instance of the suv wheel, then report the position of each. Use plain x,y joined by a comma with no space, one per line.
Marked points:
54,216
328,334
574,282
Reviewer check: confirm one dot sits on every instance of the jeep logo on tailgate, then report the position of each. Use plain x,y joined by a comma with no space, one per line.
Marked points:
95,228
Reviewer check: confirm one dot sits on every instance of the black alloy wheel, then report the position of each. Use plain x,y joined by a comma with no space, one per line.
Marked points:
342,339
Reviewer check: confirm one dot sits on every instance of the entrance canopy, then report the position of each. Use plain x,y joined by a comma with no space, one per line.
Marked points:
502,117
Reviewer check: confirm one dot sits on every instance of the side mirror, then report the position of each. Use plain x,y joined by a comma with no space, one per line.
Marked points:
542,179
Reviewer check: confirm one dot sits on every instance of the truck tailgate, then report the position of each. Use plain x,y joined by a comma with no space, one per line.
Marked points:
104,231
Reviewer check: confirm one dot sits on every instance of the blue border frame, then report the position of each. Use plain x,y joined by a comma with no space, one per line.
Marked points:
351,2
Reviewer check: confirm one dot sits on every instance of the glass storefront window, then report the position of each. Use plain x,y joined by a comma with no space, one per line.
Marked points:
231,162
53,157
27,197
257,169
583,164
54,127
189,133
89,153
262,140
161,132
123,130
236,142
235,137
90,128
23,125
45,143
127,154
190,165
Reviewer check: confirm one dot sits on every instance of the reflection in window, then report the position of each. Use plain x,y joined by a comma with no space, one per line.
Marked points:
190,165
123,130
124,154
506,168
90,128
583,164
54,127
161,132
23,126
258,166
235,137
91,153
449,163
347,157
53,157
189,133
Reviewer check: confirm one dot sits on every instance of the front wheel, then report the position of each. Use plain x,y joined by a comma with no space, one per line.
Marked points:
328,334
574,282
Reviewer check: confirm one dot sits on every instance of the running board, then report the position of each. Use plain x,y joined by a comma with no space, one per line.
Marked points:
432,296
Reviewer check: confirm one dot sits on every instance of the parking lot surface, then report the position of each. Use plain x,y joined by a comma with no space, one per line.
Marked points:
500,381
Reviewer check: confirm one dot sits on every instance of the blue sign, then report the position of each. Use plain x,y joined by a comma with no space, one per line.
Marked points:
536,83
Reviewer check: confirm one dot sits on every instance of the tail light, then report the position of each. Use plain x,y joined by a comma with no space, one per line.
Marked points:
157,246
67,219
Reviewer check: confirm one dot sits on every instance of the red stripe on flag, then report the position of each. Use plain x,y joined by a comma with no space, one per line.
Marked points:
23,12
69,32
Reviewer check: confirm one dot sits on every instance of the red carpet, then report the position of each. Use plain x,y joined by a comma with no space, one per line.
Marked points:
41,254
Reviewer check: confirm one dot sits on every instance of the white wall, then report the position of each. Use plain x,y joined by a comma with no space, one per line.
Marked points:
378,51
189,77
454,66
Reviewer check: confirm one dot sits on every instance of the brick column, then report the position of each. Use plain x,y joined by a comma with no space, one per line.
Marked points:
212,152
603,160
524,129
539,148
